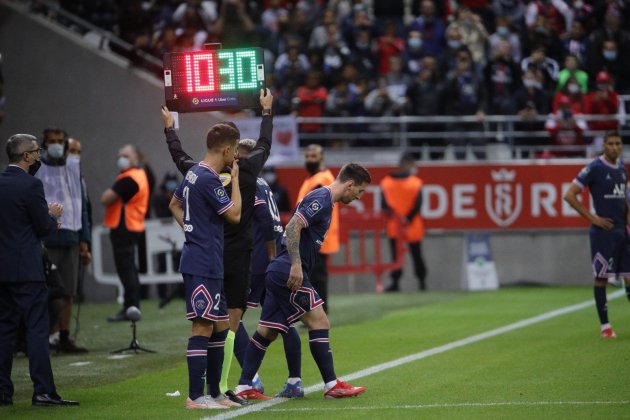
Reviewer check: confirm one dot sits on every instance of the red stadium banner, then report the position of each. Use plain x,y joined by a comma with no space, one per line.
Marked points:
465,196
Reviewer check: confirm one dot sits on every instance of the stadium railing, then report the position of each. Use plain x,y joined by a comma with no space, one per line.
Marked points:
362,237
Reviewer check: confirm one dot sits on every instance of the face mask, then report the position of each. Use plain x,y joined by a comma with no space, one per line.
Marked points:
312,167
55,150
362,45
529,83
415,43
270,178
503,31
123,163
610,55
32,170
75,158
573,88
171,185
578,4
454,44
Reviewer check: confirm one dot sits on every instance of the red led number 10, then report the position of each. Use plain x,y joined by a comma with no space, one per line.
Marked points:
237,70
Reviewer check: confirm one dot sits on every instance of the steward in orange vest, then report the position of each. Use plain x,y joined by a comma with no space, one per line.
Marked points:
402,199
126,204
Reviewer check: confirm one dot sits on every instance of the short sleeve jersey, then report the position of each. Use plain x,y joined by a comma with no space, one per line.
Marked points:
315,211
266,226
607,184
204,200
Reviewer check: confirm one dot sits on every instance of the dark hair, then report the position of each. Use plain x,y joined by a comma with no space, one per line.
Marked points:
610,134
17,145
354,172
221,135
407,157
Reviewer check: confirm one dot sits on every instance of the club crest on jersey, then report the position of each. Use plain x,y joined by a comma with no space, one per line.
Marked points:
504,197
313,208
200,304
221,195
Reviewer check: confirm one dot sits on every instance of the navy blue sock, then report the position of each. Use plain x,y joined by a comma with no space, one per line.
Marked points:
241,341
253,358
196,356
293,352
322,353
215,362
601,303
628,292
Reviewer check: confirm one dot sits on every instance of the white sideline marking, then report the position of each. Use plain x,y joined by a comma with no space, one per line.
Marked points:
454,405
78,364
422,355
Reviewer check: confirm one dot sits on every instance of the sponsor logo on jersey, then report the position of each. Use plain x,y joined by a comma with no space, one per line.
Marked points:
221,195
313,208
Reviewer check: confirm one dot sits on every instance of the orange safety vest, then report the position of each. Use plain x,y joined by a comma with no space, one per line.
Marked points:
324,178
135,209
401,194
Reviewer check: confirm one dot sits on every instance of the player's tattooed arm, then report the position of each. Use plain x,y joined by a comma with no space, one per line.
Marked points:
292,240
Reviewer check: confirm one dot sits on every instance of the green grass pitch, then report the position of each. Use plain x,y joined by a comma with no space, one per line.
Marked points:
557,368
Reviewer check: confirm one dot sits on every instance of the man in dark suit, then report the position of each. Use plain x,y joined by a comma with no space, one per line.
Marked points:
25,218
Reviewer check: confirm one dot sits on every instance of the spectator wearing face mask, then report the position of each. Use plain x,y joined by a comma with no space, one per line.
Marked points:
431,29
571,70
573,92
73,153
127,202
604,101
612,61
161,200
505,33
62,184
531,101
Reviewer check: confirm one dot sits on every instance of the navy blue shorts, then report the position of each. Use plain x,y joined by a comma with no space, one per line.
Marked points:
610,256
205,298
282,307
256,291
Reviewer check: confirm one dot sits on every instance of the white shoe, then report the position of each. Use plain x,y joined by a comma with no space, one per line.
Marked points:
202,403
223,400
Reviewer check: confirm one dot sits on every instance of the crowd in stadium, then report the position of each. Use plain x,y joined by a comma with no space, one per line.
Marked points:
561,58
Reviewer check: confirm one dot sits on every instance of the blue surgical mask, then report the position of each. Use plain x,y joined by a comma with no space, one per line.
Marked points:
454,44
123,163
171,185
503,31
415,43
76,158
55,150
610,55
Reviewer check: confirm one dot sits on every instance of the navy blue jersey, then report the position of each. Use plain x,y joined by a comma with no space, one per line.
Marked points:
266,226
315,211
607,184
204,200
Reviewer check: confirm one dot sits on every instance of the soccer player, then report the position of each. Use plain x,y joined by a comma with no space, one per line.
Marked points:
290,296
267,234
200,205
238,237
606,178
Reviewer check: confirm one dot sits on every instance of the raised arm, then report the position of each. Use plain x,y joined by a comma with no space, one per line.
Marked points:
260,154
182,160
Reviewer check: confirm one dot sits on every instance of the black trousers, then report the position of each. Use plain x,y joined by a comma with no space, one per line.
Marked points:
418,263
29,302
124,245
319,277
